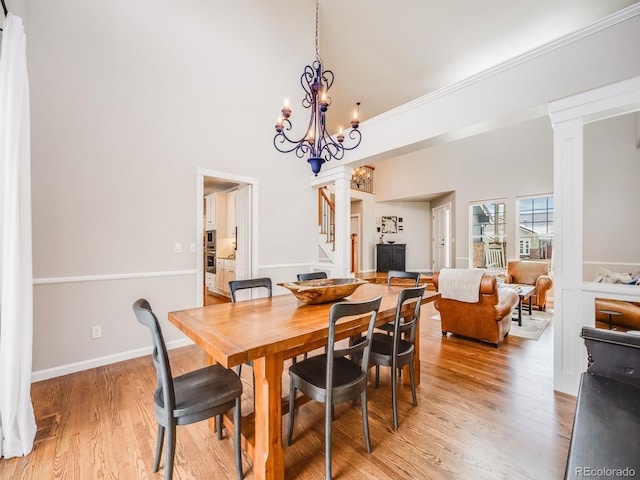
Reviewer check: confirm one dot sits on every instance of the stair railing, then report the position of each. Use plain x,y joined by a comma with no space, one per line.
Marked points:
326,216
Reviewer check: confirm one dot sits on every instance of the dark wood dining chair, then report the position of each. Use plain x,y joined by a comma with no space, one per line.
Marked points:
415,276
198,395
311,276
332,378
251,283
235,285
397,349
399,274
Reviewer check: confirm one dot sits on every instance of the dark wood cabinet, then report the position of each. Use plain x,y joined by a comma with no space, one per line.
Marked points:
390,257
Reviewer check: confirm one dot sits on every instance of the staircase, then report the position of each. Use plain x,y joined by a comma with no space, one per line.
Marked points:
326,225
326,235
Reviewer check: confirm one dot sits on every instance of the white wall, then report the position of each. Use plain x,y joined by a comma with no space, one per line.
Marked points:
504,164
416,233
611,206
128,99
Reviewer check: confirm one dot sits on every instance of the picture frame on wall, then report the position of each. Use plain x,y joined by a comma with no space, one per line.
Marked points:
389,224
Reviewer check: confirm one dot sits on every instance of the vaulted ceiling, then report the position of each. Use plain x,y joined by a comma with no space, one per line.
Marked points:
385,53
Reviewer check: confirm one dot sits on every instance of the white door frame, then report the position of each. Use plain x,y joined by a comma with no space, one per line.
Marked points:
253,249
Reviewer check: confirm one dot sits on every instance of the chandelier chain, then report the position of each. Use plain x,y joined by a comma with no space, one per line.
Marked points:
317,28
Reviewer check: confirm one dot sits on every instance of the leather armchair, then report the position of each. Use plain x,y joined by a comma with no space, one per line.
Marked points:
488,319
526,272
630,311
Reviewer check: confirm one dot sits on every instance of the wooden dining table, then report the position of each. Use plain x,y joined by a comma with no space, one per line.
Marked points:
268,331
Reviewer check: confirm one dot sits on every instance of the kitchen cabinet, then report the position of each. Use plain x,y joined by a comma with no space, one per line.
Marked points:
229,273
390,257
215,205
210,281
210,211
219,274
225,272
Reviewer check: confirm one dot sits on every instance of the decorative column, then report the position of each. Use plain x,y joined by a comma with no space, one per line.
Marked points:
341,178
573,296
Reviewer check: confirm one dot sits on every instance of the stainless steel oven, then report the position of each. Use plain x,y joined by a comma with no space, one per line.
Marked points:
210,240
210,261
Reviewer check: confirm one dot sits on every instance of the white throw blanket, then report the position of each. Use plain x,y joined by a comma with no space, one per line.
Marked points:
460,284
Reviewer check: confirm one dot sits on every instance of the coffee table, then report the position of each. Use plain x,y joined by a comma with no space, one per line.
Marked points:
611,314
524,292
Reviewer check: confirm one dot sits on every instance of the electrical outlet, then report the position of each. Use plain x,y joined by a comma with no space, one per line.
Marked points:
96,332
178,247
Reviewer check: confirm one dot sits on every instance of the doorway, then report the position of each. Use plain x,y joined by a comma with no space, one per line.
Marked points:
245,192
356,250
441,246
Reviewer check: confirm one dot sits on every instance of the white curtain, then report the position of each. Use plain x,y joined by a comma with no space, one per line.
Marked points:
17,423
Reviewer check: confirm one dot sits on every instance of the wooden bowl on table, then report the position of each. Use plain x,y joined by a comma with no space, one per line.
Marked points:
323,290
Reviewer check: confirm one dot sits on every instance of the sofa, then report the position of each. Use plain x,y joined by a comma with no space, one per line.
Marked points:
487,319
527,272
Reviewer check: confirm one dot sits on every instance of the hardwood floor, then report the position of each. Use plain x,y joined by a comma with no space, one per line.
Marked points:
483,413
213,298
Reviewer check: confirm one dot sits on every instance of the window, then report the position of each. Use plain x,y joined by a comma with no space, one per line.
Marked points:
488,227
535,228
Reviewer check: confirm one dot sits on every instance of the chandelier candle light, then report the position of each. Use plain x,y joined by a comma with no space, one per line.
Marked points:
316,141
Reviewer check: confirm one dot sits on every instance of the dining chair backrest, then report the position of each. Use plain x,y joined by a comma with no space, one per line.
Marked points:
407,323
358,350
146,317
235,285
311,276
415,276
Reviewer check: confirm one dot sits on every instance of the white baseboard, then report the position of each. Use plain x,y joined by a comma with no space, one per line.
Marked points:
101,361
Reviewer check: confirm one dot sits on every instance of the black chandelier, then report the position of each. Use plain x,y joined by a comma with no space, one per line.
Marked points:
316,141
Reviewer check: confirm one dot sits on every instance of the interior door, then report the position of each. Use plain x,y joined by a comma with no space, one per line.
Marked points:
441,228
243,232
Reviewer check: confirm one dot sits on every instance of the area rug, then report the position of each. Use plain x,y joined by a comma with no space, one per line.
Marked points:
532,325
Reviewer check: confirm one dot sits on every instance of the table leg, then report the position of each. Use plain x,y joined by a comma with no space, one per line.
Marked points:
268,454
520,312
530,304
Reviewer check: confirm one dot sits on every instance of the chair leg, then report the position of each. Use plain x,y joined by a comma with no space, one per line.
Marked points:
365,419
412,378
219,426
394,396
292,412
377,384
237,415
328,417
159,443
171,451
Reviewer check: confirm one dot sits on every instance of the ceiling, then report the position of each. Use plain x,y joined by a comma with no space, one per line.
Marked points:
385,53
